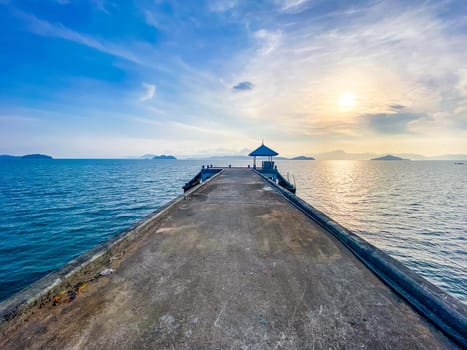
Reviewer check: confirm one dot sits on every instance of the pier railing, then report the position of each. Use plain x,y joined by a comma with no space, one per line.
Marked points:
202,176
270,172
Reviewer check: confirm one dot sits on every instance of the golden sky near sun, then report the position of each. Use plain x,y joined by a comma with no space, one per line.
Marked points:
377,76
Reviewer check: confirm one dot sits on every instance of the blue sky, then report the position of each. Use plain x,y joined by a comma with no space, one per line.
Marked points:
107,78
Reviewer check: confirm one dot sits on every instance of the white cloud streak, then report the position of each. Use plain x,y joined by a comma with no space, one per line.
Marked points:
57,30
149,93
222,5
268,40
101,5
7,119
292,5
138,53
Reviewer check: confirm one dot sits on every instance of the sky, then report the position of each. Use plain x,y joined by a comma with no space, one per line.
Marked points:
108,78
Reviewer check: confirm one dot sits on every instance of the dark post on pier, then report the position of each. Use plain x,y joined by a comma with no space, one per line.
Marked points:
239,263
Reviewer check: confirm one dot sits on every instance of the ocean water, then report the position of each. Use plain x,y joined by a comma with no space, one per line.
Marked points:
53,211
416,211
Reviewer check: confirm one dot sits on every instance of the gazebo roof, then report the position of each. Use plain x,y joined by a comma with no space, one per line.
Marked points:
263,151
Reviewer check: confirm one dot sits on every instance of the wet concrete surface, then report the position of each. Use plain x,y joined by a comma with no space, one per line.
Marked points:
233,266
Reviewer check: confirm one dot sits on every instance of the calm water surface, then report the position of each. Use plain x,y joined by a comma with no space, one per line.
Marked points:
53,211
414,210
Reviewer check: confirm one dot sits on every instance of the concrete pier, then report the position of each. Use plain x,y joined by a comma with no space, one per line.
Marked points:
234,265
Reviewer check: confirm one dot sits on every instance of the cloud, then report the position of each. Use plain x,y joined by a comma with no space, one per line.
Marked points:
149,93
394,57
396,107
379,51
222,5
294,6
151,20
101,5
268,40
16,119
57,30
393,123
137,52
243,86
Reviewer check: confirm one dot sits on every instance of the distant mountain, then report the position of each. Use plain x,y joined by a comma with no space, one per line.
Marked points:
342,155
164,157
27,156
333,155
388,157
240,157
302,158
36,156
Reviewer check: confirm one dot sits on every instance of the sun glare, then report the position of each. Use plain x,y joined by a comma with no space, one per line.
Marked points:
346,101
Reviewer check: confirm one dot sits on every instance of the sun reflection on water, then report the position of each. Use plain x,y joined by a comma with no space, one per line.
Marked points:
412,210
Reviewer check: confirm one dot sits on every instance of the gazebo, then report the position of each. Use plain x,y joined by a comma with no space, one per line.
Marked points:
264,151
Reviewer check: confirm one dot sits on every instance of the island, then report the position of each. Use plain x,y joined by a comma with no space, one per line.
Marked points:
302,158
36,156
164,157
26,156
389,157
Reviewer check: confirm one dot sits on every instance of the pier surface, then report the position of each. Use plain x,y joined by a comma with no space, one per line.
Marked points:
235,265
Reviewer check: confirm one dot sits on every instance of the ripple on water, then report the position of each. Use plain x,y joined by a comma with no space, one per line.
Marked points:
51,212
415,211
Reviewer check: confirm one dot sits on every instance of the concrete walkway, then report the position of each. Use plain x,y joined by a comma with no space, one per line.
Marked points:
233,266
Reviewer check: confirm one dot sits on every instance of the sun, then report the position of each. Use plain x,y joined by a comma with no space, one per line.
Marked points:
346,101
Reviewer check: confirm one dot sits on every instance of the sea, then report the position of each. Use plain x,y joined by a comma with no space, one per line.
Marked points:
52,211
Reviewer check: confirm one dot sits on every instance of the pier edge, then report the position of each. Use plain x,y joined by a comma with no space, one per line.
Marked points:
442,309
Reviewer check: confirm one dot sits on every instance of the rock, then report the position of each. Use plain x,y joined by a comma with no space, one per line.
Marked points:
106,272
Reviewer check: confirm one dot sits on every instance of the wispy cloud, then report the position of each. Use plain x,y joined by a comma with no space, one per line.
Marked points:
403,62
57,30
268,40
244,85
292,5
222,5
151,19
396,107
172,130
102,5
392,123
404,57
149,93
17,119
